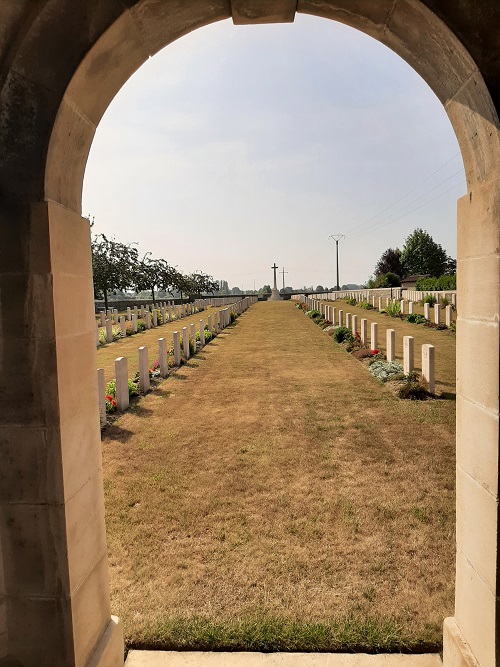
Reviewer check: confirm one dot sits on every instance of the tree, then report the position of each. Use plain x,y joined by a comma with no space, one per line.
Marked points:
151,274
388,279
421,254
265,289
320,288
390,262
113,266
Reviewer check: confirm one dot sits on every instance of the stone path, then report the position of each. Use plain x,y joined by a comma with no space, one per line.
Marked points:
202,659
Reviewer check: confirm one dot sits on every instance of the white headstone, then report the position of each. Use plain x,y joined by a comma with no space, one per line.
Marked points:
162,357
121,376
428,366
374,336
364,330
448,315
123,328
144,381
177,349
185,342
390,345
437,313
101,388
109,331
202,333
408,361
427,311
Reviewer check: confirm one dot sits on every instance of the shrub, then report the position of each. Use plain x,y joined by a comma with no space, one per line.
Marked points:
111,388
351,302
313,314
443,283
364,353
416,318
208,335
133,389
192,346
393,309
430,299
365,305
232,316
129,331
102,337
445,301
141,325
412,389
343,335
386,370
117,333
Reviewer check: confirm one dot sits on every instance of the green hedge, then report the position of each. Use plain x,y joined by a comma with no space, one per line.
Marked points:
440,284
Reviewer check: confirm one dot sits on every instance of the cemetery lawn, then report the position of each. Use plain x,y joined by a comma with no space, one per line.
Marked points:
272,495
128,347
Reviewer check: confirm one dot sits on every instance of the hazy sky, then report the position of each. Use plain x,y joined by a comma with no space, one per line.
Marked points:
238,147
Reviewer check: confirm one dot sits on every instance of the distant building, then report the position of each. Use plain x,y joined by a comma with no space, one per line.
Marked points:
410,281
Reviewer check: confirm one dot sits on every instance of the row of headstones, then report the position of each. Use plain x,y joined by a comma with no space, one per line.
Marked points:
406,307
411,295
148,313
215,323
219,300
336,316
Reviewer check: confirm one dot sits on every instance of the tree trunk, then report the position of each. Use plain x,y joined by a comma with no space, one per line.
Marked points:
153,295
106,300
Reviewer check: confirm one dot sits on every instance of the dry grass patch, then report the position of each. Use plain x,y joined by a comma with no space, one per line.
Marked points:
277,497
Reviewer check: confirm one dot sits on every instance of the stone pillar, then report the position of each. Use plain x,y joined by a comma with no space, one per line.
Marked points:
185,342
101,392
103,319
334,315
402,306
202,333
123,329
410,307
143,312
408,360
341,318
427,311
136,312
109,331
54,590
428,366
162,357
387,301
454,300
155,317
129,314
390,345
437,313
164,314
144,382
115,316
374,336
148,320
364,330
177,349
448,315
354,324
134,323
121,376
380,303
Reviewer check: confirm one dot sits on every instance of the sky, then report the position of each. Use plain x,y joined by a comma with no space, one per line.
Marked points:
239,146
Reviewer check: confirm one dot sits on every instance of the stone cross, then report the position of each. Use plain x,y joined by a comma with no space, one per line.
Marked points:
275,268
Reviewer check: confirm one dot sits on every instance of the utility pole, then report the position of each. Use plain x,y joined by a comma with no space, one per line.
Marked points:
283,272
337,238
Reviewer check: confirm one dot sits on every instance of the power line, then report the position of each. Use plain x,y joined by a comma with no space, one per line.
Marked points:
360,234
375,224
408,193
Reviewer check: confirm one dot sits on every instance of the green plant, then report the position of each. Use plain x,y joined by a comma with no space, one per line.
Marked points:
393,309
111,388
445,301
430,299
232,316
133,389
343,335
141,325
110,404
313,314
415,318
208,335
365,305
102,337
386,370
116,333
192,346
443,283
351,302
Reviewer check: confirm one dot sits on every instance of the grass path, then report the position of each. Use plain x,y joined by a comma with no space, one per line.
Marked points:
272,495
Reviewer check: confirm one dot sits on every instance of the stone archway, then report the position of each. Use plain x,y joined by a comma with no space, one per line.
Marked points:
60,65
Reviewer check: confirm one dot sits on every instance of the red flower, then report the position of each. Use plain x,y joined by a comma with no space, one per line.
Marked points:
374,351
